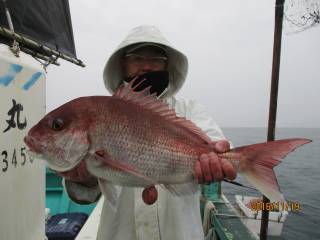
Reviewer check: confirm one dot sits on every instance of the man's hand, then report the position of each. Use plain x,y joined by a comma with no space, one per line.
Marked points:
211,168
80,175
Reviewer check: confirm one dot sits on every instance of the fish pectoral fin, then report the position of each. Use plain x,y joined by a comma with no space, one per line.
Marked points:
182,189
101,154
110,192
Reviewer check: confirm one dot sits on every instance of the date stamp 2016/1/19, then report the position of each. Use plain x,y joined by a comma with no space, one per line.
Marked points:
274,206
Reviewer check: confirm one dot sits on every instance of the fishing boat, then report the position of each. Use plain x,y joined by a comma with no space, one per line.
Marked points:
30,40
251,210
31,193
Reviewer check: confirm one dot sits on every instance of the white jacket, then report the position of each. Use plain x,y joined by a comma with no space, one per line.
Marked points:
170,217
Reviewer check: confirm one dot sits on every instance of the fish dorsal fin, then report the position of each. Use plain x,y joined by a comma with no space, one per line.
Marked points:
150,102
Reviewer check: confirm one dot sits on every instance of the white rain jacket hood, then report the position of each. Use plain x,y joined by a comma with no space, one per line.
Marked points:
177,61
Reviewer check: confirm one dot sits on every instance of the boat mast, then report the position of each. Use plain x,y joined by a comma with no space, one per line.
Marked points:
273,97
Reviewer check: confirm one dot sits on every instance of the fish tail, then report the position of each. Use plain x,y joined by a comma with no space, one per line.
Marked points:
258,160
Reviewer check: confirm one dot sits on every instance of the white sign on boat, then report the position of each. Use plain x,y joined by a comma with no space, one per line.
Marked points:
22,180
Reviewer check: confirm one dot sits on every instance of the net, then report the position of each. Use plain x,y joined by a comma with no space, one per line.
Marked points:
301,15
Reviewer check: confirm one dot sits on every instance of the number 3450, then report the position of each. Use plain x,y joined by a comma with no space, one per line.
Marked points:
17,158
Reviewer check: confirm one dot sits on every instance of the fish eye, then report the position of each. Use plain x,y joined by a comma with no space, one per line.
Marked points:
57,124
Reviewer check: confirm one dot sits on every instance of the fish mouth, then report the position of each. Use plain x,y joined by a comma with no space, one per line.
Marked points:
33,151
29,141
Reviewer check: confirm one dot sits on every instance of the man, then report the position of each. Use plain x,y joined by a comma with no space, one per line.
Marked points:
145,51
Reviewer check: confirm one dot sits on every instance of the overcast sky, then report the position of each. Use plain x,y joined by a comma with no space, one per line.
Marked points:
229,47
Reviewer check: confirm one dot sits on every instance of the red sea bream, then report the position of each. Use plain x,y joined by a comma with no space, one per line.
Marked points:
133,139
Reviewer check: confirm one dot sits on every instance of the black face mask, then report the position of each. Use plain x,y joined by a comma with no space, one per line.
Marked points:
158,80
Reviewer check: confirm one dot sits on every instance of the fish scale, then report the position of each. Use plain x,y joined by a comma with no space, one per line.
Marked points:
151,158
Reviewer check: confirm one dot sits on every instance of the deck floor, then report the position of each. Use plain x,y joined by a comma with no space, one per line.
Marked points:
227,224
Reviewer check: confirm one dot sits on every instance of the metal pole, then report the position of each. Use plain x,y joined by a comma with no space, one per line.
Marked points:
36,46
273,97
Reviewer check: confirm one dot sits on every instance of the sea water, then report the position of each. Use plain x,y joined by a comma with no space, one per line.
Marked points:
298,176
